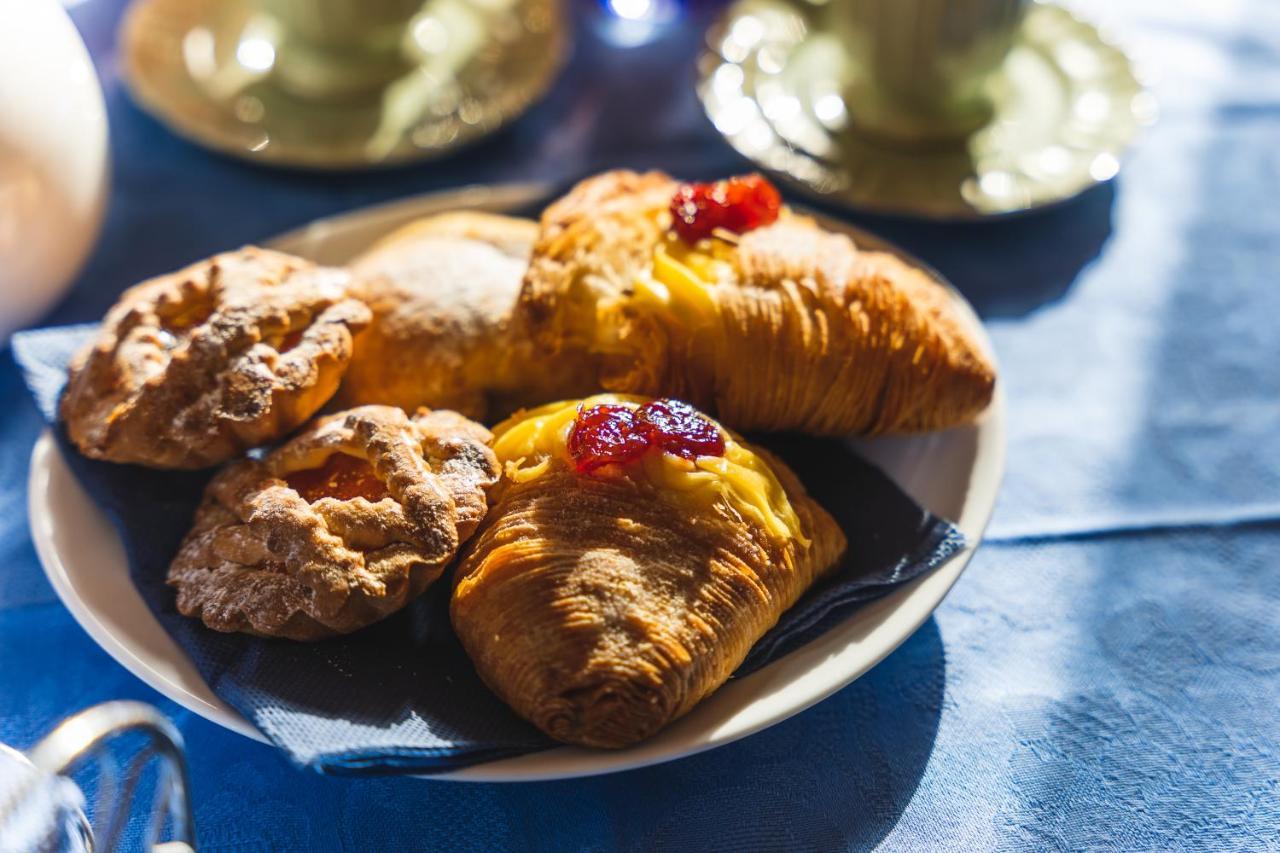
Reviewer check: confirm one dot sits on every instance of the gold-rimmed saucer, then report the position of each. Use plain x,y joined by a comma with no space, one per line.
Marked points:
1067,102
209,70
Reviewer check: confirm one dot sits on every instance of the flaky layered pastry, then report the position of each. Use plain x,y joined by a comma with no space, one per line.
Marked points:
603,605
346,523
191,368
785,327
443,291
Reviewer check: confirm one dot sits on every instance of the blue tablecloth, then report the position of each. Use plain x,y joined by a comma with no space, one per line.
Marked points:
1106,673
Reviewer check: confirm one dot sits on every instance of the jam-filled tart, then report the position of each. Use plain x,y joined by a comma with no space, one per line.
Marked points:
344,524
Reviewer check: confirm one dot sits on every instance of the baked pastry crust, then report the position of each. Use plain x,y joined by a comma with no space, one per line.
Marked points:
443,292
191,368
793,328
602,607
263,559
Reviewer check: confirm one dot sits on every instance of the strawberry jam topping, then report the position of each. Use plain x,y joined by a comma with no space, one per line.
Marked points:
340,476
291,340
678,428
604,434
608,433
738,205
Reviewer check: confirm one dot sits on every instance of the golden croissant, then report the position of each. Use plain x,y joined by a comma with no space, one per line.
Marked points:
603,600
786,326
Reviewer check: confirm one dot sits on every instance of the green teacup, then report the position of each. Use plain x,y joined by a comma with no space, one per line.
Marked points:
338,49
923,68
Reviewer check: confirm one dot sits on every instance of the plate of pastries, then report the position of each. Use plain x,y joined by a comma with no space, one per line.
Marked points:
552,416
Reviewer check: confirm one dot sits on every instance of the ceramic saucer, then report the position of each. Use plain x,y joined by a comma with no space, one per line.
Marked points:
205,68
1066,104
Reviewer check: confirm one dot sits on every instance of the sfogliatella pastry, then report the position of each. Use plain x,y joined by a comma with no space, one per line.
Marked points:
443,291
633,554
344,524
190,369
719,295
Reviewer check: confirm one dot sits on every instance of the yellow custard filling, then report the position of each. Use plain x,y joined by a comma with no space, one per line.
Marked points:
675,289
679,281
530,442
674,283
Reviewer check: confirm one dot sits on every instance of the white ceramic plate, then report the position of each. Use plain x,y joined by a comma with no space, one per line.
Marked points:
954,473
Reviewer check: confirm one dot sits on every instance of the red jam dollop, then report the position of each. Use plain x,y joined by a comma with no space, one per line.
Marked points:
291,340
340,476
605,434
608,433
738,205
680,429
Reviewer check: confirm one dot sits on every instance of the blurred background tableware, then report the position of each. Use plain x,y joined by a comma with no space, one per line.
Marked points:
53,158
938,108
39,812
340,84
920,69
128,755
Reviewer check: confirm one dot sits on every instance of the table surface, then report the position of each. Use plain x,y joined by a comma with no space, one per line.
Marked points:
1107,672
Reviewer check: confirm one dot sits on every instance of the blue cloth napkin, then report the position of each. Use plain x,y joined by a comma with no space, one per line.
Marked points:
401,696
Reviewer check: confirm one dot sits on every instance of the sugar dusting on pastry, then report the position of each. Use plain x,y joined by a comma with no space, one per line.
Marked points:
443,291
192,368
344,524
